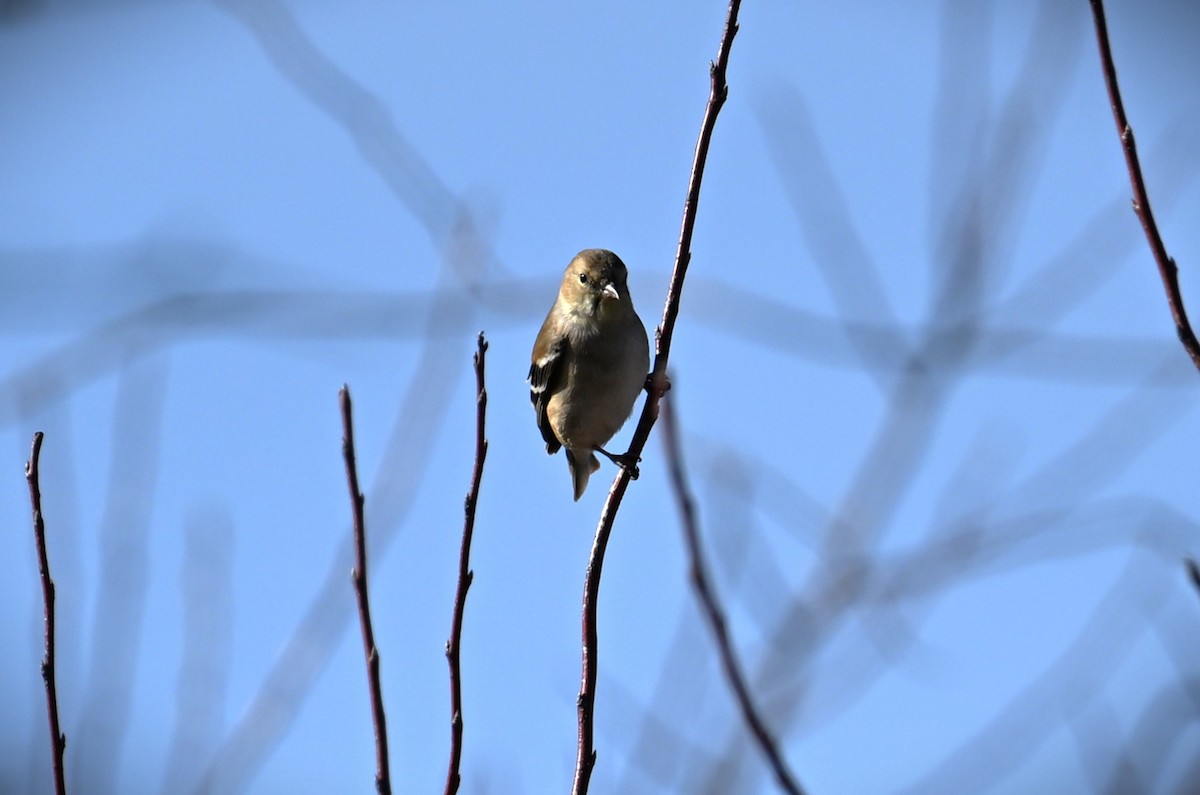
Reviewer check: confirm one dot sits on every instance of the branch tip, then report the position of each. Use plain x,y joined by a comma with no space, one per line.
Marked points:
359,577
58,740
465,575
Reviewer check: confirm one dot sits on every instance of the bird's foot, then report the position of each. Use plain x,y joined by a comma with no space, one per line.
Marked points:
625,461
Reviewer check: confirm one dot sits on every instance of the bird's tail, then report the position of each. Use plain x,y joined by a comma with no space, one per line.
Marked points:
581,469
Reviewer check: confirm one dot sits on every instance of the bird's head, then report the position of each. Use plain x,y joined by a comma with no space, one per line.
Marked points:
595,282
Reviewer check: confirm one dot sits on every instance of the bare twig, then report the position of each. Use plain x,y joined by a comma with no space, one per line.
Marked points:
383,779
58,740
465,575
1167,269
713,613
586,757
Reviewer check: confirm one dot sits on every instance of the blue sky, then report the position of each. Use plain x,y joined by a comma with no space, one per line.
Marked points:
919,307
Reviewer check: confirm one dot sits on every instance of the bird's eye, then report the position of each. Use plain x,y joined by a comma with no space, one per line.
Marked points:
583,278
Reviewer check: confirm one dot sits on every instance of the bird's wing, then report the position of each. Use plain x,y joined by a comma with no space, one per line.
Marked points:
545,378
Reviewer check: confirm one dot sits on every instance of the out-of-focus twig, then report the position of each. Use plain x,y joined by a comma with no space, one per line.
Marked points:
1193,571
1167,269
698,572
466,257
383,779
1069,685
918,400
107,708
658,385
202,687
465,575
58,740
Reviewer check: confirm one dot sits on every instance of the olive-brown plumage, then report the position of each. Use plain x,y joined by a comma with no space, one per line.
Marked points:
589,362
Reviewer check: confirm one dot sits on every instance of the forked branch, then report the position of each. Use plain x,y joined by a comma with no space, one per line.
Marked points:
586,756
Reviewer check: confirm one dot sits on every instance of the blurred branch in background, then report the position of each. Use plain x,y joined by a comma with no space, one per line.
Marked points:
466,258
283,691
1025,350
137,431
698,575
1167,270
1070,685
364,117
367,121
1097,733
206,582
832,595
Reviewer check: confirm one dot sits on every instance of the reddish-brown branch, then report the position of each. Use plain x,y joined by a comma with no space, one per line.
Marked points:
383,778
465,575
698,572
657,386
58,740
1167,270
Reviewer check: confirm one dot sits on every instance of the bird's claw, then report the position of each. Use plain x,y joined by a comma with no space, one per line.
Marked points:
629,463
626,461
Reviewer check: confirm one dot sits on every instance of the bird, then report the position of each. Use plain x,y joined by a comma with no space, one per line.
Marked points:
589,363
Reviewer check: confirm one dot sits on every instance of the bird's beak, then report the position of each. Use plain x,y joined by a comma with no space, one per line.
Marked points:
610,291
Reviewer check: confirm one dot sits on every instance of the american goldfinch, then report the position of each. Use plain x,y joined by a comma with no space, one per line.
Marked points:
589,363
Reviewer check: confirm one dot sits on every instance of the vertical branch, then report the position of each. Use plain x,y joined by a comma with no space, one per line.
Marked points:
465,575
713,613
1167,270
125,572
383,779
58,740
658,384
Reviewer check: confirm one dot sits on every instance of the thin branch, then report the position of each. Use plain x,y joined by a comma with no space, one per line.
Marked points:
658,385
713,613
58,740
465,575
1167,269
383,779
